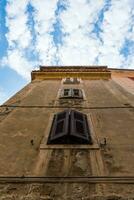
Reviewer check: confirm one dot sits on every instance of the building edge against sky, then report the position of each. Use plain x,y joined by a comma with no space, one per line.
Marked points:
14,88
27,122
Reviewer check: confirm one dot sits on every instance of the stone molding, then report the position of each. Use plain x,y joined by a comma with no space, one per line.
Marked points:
85,72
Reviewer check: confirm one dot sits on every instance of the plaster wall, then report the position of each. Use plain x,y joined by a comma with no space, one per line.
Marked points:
108,106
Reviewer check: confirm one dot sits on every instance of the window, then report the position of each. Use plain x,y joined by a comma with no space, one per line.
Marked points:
66,92
70,127
71,93
71,81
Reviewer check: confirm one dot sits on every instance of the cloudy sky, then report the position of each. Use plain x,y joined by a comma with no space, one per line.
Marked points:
62,32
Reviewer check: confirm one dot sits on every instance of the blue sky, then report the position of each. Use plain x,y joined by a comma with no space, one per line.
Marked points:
62,32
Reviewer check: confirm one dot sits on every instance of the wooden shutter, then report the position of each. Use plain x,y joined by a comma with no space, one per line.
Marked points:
79,130
59,129
70,127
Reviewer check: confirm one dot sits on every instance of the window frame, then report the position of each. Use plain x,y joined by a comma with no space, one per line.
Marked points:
69,135
71,93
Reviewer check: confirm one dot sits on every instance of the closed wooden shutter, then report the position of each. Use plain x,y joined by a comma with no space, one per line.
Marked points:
59,128
70,127
79,130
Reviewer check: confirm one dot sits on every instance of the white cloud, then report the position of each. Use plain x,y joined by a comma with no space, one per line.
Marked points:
82,15
19,63
17,24
116,24
80,45
44,17
19,38
18,31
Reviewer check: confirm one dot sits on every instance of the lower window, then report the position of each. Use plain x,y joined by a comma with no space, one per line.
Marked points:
70,127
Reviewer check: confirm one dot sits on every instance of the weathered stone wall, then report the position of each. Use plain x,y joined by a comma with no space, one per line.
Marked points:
32,121
67,191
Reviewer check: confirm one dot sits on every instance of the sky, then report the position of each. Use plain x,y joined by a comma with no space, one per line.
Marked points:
62,32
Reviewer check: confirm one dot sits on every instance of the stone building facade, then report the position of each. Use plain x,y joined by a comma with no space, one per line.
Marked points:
67,167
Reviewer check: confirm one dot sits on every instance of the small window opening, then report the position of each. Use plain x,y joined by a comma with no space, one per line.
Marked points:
76,92
70,127
71,93
66,92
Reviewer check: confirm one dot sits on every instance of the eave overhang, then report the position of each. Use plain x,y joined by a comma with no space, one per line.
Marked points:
84,72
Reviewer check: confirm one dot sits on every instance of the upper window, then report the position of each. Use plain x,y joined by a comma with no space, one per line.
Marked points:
71,81
70,127
71,93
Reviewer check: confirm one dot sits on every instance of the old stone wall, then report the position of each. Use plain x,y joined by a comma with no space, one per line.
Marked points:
110,115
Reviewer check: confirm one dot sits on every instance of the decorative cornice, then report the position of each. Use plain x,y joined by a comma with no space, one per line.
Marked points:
58,72
73,68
